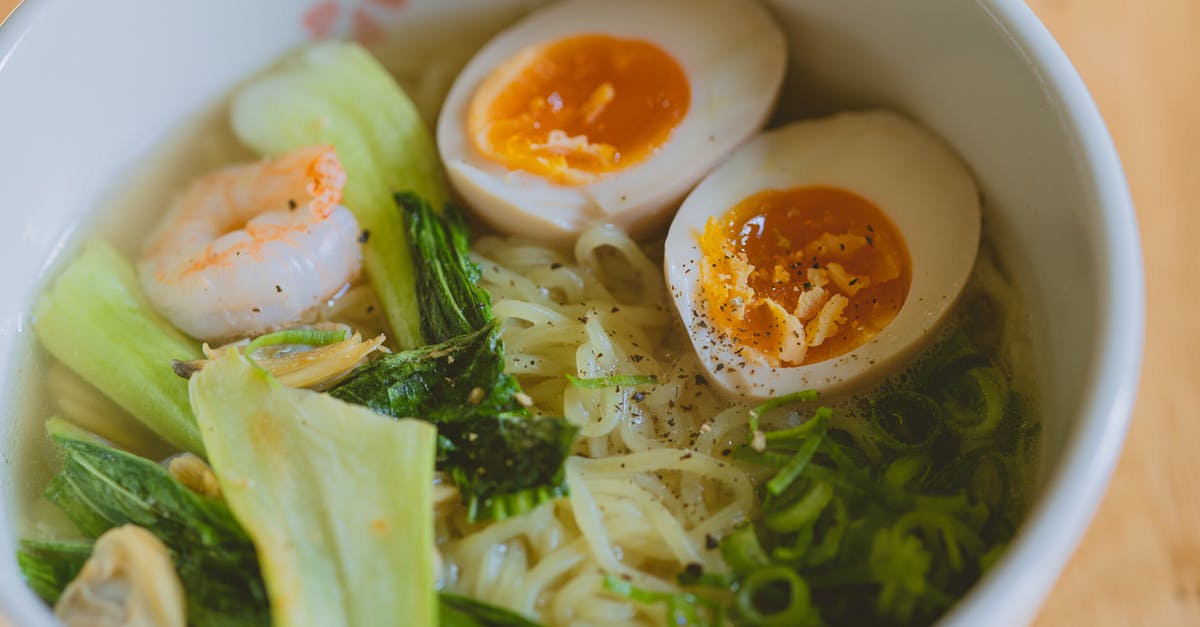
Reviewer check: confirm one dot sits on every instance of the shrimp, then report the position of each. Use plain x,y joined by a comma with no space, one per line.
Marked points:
252,247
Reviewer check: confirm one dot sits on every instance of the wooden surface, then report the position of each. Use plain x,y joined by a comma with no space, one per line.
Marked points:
1140,562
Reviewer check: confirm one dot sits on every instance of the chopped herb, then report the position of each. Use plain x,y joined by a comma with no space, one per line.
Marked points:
683,609
297,337
890,515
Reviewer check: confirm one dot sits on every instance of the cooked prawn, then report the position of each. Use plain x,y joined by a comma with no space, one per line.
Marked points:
250,248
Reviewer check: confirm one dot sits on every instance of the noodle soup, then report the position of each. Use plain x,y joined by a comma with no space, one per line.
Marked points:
663,471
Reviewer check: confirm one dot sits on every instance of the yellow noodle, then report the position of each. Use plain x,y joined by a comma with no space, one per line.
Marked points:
653,477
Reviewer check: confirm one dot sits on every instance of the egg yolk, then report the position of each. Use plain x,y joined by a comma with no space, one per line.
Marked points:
576,109
802,275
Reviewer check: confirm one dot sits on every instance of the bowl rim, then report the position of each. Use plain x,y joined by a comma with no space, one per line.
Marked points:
1071,494
18,603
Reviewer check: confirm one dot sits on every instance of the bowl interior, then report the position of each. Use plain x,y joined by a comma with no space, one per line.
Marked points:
983,74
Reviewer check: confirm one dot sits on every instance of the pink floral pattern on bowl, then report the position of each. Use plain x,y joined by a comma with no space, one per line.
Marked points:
361,19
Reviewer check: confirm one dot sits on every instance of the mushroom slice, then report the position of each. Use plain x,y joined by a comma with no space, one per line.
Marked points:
129,581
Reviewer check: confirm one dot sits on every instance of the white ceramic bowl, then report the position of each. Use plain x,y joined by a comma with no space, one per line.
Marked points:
88,88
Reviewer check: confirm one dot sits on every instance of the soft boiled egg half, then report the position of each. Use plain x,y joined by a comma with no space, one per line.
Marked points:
823,253
606,111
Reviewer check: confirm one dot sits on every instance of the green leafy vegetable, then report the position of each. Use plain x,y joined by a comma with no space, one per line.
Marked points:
452,303
337,499
613,381
457,380
337,93
49,565
101,487
96,321
220,572
509,464
460,611
504,461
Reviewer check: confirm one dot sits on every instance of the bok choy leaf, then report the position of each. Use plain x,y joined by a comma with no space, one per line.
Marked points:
95,320
452,303
504,461
337,499
124,487
101,487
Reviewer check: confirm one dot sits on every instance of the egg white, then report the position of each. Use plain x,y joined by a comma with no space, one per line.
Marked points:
733,55
906,171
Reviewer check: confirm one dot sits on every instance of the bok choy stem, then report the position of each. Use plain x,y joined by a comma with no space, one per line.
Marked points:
96,321
337,93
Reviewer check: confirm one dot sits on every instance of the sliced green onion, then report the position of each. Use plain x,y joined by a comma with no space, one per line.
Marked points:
948,353
795,466
803,396
683,609
794,553
742,550
906,420
954,533
616,380
840,455
907,471
828,531
983,471
775,596
975,401
796,436
764,458
989,559
297,337
803,511
958,505
990,488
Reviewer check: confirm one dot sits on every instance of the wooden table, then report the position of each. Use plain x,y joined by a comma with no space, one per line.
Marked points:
1140,562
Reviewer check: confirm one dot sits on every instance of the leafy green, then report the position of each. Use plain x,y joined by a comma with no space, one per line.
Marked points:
101,487
503,461
337,93
460,611
507,465
337,499
49,565
438,382
118,487
452,303
96,321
